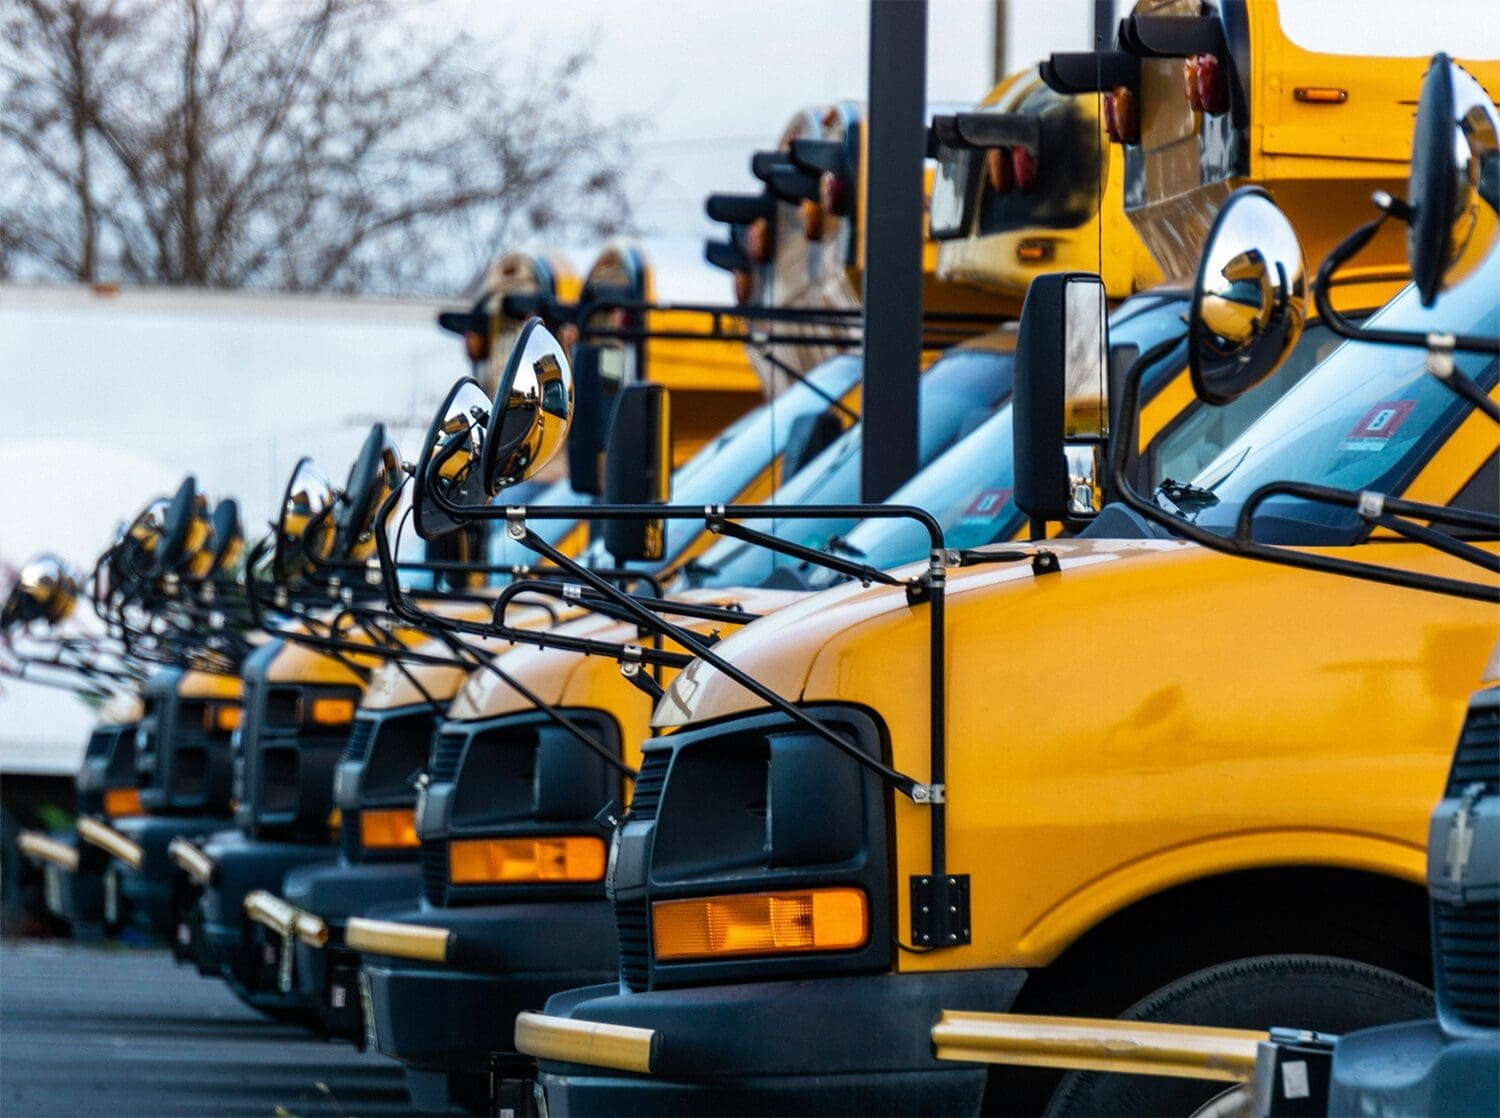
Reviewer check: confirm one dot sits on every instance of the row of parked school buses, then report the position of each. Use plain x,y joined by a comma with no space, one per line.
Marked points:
1093,772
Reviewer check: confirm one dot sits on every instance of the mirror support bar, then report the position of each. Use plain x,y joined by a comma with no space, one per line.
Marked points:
1241,543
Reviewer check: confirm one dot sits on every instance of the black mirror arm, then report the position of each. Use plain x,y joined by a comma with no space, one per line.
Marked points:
1240,544
861,571
487,663
1377,508
435,623
572,592
1440,347
690,641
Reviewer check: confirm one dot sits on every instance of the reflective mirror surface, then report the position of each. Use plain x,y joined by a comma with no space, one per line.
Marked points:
451,457
304,530
229,536
533,407
1086,359
44,590
1455,174
186,539
375,475
1249,299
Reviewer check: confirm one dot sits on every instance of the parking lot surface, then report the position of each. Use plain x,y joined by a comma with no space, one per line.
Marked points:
96,1030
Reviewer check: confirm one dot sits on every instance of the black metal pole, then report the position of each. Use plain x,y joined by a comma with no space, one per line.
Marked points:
896,138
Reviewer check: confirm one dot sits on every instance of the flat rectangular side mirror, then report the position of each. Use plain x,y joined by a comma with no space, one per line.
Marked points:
1060,398
638,470
591,408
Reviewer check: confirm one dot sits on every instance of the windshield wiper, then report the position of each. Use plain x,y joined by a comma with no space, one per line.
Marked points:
697,568
838,545
1184,498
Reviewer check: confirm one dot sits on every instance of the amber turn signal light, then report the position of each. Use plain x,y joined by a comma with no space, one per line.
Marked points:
518,861
760,924
221,718
122,801
331,712
388,829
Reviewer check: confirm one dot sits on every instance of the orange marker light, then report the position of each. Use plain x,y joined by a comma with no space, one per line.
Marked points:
1034,252
812,220
517,861
760,924
121,801
221,718
1320,95
758,240
331,712
388,829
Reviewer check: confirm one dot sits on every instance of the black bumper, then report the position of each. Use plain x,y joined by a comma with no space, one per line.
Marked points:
327,976
1415,1068
237,948
504,959
859,1044
150,897
78,897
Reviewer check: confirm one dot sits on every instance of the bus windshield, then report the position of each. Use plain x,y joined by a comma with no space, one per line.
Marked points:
960,391
969,488
726,466
1368,418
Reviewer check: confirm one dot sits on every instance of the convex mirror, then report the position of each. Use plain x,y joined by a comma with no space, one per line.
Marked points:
533,408
44,591
1455,177
187,533
1249,298
229,536
304,529
450,462
375,475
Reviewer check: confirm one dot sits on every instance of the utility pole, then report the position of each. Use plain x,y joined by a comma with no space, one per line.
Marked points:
896,141
1000,26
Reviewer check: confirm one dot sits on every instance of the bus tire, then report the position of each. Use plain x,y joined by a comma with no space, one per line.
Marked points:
1298,991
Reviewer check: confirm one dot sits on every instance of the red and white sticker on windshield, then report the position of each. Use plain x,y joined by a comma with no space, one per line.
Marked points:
987,505
1378,425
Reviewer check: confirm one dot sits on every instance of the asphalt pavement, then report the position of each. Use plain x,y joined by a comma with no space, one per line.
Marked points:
124,1031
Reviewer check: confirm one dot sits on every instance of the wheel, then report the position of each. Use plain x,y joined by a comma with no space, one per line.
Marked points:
1299,991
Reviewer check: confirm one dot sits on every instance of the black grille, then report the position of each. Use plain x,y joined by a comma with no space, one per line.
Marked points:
1468,959
447,748
1478,756
630,924
360,736
100,742
646,797
435,871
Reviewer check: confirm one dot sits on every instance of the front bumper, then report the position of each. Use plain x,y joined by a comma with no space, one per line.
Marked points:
1414,1068
325,974
499,960
227,941
72,879
150,897
857,1044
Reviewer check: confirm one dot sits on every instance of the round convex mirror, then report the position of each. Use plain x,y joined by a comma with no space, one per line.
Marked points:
1249,300
376,473
1455,173
304,530
185,530
134,552
44,590
228,537
533,407
450,458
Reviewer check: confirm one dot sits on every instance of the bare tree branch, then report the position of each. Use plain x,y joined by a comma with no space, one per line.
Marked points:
327,145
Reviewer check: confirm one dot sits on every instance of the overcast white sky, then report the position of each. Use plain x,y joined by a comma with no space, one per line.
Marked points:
718,78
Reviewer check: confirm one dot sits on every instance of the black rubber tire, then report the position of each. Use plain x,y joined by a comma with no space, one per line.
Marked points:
1301,991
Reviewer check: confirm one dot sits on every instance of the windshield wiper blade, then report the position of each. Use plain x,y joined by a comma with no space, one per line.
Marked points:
838,545
1184,498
